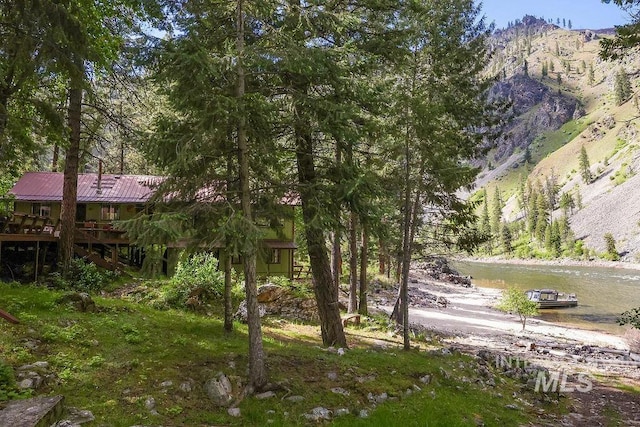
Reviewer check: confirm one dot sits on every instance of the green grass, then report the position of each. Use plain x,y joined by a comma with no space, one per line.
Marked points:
111,361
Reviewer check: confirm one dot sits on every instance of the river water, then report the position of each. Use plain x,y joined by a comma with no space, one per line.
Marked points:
603,293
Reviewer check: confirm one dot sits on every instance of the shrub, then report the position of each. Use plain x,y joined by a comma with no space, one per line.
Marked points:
298,289
83,277
515,301
8,388
197,277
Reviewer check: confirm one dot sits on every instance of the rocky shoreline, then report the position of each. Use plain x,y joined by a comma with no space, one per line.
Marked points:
463,315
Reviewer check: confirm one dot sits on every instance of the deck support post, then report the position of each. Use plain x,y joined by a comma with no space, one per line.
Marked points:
35,278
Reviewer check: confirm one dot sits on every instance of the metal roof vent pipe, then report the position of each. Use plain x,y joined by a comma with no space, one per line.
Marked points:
99,186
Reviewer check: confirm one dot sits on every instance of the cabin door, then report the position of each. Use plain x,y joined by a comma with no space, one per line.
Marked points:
81,212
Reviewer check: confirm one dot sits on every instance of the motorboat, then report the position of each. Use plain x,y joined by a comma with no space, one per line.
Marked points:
550,298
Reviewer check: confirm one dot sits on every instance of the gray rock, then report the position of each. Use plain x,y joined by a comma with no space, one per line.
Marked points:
150,403
79,416
341,412
425,379
340,390
186,387
295,398
322,412
381,398
40,365
363,413
65,423
265,395
219,390
27,383
512,406
333,376
166,384
234,412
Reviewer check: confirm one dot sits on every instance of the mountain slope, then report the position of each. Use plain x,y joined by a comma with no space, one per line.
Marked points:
559,113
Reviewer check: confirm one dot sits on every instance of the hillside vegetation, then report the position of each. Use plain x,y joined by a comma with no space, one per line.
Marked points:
565,98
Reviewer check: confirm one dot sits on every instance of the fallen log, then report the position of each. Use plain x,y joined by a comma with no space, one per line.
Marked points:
8,317
610,351
613,362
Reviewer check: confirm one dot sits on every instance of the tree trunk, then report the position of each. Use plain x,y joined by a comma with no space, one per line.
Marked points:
353,263
4,119
228,306
70,183
323,285
225,254
257,367
336,259
382,258
56,155
364,261
336,250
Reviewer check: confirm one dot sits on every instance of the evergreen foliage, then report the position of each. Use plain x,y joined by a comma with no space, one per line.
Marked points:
585,166
611,251
627,36
622,87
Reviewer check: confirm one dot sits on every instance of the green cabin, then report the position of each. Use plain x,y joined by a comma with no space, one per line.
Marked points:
32,221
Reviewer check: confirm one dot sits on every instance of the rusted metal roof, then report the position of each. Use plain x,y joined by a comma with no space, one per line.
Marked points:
47,187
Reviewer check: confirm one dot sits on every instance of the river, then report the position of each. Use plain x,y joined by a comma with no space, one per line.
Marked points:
603,293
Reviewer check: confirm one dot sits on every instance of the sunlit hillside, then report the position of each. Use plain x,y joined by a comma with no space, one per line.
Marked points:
562,61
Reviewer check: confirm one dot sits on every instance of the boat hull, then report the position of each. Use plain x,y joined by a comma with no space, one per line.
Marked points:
557,304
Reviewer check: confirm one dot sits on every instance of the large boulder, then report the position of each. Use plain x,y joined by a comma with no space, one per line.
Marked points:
219,390
279,301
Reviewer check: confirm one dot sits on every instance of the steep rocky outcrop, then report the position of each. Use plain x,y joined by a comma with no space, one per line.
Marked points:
535,109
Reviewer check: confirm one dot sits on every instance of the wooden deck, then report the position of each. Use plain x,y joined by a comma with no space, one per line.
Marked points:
99,242
33,228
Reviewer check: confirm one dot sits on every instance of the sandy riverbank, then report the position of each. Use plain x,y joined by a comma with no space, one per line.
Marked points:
469,321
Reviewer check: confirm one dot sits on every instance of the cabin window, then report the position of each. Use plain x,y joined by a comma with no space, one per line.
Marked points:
110,212
274,256
41,209
236,259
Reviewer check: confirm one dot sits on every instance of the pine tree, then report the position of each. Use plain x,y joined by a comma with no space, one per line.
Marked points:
533,211
496,213
569,24
611,251
567,204
506,238
542,218
485,220
585,166
622,87
591,75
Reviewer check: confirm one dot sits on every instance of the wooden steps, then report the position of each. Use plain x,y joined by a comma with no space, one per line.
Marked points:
35,412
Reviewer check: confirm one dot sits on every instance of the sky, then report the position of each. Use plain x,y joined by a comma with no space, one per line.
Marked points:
584,14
